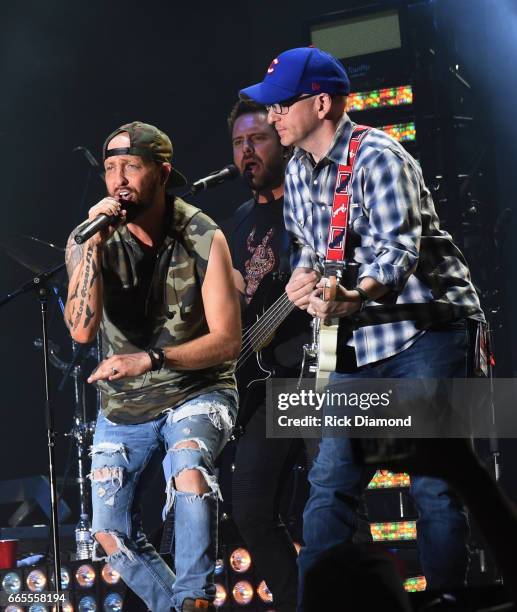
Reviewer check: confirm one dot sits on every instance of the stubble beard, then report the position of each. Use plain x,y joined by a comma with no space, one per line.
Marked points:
271,177
143,203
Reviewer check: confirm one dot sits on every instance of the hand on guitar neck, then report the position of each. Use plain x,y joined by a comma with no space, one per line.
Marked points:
301,285
329,299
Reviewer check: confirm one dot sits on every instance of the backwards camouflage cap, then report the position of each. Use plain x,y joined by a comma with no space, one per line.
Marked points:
146,141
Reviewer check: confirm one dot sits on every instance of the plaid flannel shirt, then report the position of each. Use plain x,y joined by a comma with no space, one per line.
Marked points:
394,223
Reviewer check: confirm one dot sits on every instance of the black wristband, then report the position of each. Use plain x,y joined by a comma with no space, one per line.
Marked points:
363,296
157,357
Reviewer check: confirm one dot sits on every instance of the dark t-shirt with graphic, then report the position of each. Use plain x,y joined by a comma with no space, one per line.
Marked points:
258,243
260,247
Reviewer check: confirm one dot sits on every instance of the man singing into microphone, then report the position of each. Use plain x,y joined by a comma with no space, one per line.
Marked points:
158,286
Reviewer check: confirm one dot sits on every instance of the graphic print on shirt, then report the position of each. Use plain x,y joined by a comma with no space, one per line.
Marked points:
261,262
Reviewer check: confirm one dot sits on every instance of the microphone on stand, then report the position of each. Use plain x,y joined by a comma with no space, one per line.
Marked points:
228,173
90,159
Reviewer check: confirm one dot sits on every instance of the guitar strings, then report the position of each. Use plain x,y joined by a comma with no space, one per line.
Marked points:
253,328
263,323
265,326
252,346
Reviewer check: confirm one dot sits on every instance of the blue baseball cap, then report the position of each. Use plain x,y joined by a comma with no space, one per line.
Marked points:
305,70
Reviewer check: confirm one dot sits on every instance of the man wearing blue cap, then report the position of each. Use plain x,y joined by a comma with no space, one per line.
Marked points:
404,259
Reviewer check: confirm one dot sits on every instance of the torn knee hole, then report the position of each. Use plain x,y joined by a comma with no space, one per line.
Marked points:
191,480
108,542
108,480
112,544
186,444
102,474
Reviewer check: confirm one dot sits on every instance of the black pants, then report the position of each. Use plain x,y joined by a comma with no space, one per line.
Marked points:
262,468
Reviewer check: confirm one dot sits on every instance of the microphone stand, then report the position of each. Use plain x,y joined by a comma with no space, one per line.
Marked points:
39,284
81,433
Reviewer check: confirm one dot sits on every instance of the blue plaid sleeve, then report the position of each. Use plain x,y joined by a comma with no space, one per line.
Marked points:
302,254
391,199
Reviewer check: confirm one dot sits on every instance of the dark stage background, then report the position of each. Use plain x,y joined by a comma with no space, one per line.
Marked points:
70,72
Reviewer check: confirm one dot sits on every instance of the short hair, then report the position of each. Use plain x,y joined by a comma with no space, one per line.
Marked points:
243,107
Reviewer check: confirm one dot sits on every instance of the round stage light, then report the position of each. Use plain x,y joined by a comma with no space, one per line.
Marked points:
240,560
66,607
110,575
219,567
113,603
242,592
38,608
65,579
85,576
11,583
87,604
264,593
13,609
36,581
220,595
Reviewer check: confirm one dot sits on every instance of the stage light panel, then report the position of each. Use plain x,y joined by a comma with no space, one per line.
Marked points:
65,579
110,575
403,132
219,567
36,581
87,604
240,560
417,583
242,592
264,593
383,479
85,576
220,595
12,582
380,98
66,607
113,602
399,530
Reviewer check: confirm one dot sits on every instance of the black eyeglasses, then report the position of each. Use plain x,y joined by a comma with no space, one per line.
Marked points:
282,108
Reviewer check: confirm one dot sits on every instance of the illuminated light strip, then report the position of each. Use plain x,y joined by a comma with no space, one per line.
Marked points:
403,132
380,98
412,585
388,532
388,480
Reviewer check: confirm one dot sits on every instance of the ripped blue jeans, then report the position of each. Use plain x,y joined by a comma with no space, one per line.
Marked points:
120,454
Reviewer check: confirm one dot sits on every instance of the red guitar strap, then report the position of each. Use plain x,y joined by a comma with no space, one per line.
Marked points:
338,227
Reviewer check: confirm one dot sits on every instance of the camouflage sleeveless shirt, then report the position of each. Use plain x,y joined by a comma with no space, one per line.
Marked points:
172,313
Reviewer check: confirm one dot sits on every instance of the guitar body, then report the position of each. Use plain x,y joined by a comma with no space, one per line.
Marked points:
327,351
320,357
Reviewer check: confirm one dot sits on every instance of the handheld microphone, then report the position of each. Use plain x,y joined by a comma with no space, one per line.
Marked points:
94,226
228,173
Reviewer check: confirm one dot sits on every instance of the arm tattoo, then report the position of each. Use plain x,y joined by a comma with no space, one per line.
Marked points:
89,316
76,291
95,271
73,254
84,288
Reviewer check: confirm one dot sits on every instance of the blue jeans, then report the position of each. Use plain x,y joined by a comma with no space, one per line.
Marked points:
330,516
120,454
